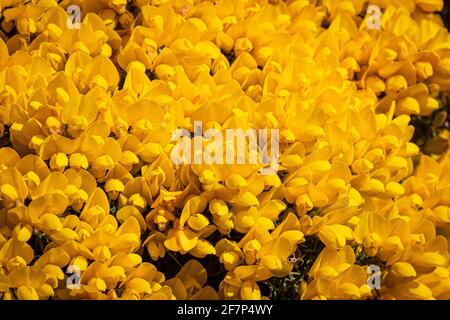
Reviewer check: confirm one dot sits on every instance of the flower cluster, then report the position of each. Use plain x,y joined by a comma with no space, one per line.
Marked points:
93,207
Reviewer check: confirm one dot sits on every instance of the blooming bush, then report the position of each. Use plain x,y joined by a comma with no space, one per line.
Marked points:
92,207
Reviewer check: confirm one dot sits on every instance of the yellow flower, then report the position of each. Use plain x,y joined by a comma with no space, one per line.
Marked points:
189,283
88,182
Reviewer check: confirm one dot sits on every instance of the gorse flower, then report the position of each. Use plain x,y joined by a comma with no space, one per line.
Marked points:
92,205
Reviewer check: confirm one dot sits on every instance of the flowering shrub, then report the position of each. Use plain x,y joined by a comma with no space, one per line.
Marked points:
92,207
